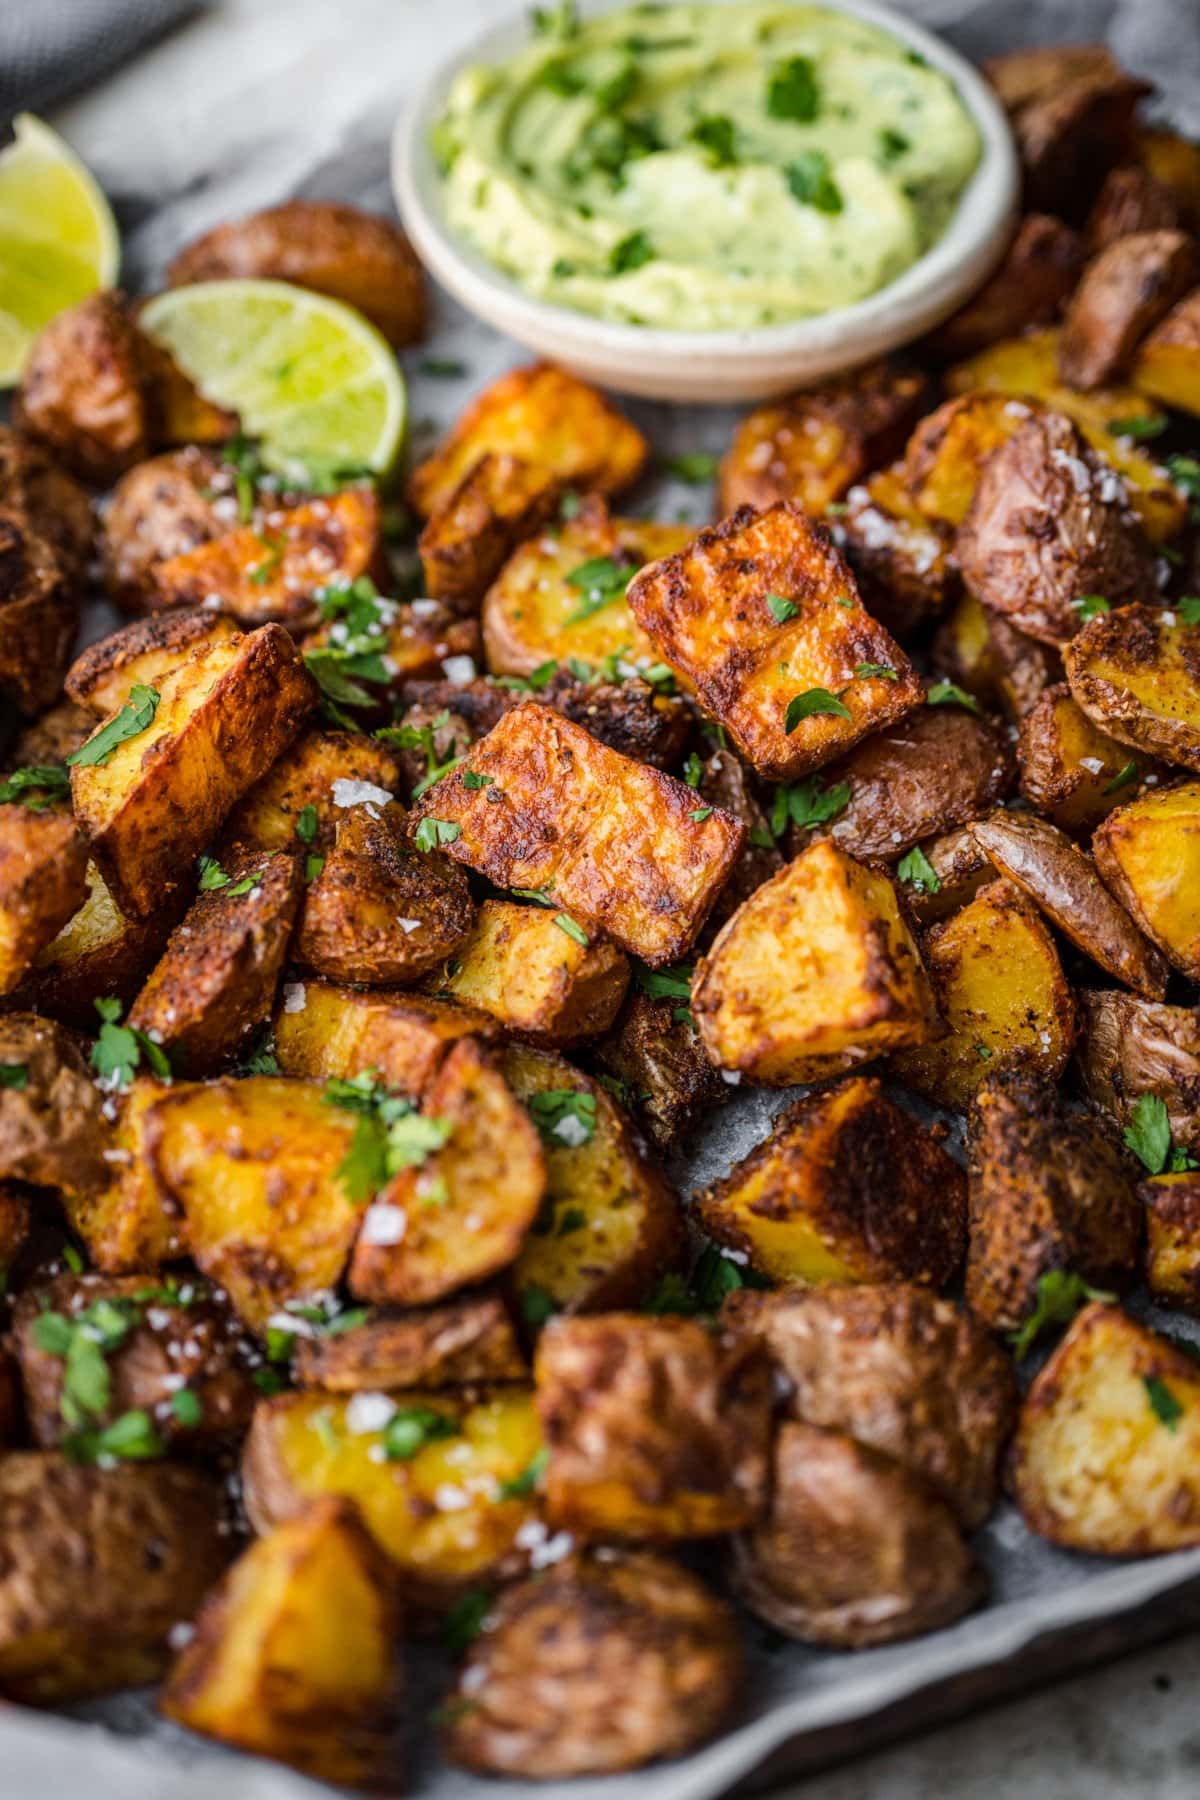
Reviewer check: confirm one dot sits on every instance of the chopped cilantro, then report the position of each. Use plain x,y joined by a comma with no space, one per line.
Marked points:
664,984
410,1428
119,1049
792,91
567,924
781,610
632,252
701,813
917,870
134,717
693,770
539,896
472,780
306,824
431,833
892,144
185,1404
807,803
1060,1294
716,134
1189,609
14,1076
1125,774
694,466
464,1620
1145,425
1090,606
526,1482
535,1304
811,183
564,1116
883,671
948,693
313,865
1167,1409
1148,1133
814,701
448,367
602,582
35,786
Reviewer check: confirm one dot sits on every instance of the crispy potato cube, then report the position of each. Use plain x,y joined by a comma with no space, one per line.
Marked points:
99,954
255,1168
657,1429
654,1063
1107,1453
39,613
159,509
1071,107
127,1223
902,560
855,1551
295,1653
982,652
144,650
500,501
808,1203
554,421
1172,1204
325,1031
523,969
1130,200
1049,1191
1149,854
616,842
610,1224
1129,1047
221,719
1167,366
453,1504
709,611
1071,771
811,446
1000,989
1127,290
274,570
460,1213
466,1341
853,989
535,1697
216,980
1041,266
81,389
43,864
311,773
1133,672
52,1129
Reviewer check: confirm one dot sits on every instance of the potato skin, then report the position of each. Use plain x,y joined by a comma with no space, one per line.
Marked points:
81,389
1131,200
159,509
499,503
327,1031
144,650
43,863
1040,268
1130,1047
45,496
99,954
124,1219
961,869
1069,767
265,818
725,781
902,560
661,1072
51,1129
535,980
52,735
1124,294
1071,107
656,1429
353,256
39,613
1149,854
1000,666
855,1550
605,1661
63,1637
1134,673
465,1341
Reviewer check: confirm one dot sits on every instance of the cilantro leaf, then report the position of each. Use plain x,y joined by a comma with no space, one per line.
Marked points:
807,803
1167,1409
431,833
410,1428
632,252
716,134
1060,1294
464,1620
306,824
694,466
35,786
814,701
1090,606
882,671
602,582
1148,1133
134,717
566,924
948,693
1125,774
564,1116
664,984
527,1480
1189,609
1144,426
917,870
792,91
14,1076
536,1305
811,182
781,610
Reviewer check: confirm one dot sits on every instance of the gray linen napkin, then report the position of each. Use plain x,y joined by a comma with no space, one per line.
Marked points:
49,48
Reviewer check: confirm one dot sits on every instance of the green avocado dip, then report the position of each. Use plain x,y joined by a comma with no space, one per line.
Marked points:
704,167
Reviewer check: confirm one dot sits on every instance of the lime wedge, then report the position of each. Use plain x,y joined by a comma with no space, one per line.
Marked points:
58,238
304,373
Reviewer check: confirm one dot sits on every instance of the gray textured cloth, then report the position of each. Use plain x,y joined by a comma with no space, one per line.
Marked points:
49,48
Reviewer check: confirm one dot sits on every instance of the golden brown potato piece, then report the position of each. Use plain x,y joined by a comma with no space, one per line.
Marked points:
654,1063
960,869
500,501
1134,673
1173,160
98,955
949,447
1125,293
144,650
1050,1191
1071,771
1172,1204
855,1550
153,803
321,771
1062,881
1130,200
81,390
811,446
445,1481
1129,1047
128,1224
1168,365
1000,989
911,1376
616,845
162,508
1149,854
38,491
1048,525
255,1166
551,419
1107,1453
460,1209
98,1568
847,1187
158,1340
354,256
601,1663
327,1031
176,410
43,863
380,911
1031,286
39,613
466,1341
761,613
276,568
295,1653
855,988
216,979
536,979
997,664
657,1429
1071,107
610,1224
52,1131
902,559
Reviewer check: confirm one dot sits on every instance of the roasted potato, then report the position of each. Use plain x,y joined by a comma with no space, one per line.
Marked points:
948,449
51,737
811,446
354,256
657,1429
37,490
1040,267
307,790
1001,991
1167,366
1174,160
153,801
295,1653
52,1130
536,979
601,1663
1172,1270
1126,291
1131,200
1134,673
998,665
617,845
499,503
1106,1453
326,1031
99,954
855,1550
725,781
809,1203
161,509
126,1221
1049,1191
855,986
654,1063
466,1341
901,559
43,864
144,650
550,418
960,869
756,664
610,1224
1149,855
1071,771
1129,1047
1071,107
81,391
39,613
176,411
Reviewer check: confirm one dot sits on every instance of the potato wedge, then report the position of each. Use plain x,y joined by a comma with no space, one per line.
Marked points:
960,869
1000,989
1107,1453
1127,290
295,1653
901,559
1071,771
327,1031
551,419
255,1168
52,1129
500,501
657,1429
1131,200
1071,107
466,1341
155,802
1134,673
43,864
160,509
654,1064
99,954
617,843
145,650
946,453
1040,268
778,677
806,1205
1167,367
323,771
39,614
536,979
1129,1047
1172,1204
1149,855
126,1221
81,389
855,988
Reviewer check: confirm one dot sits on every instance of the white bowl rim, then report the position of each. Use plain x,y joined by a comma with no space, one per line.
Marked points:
973,241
